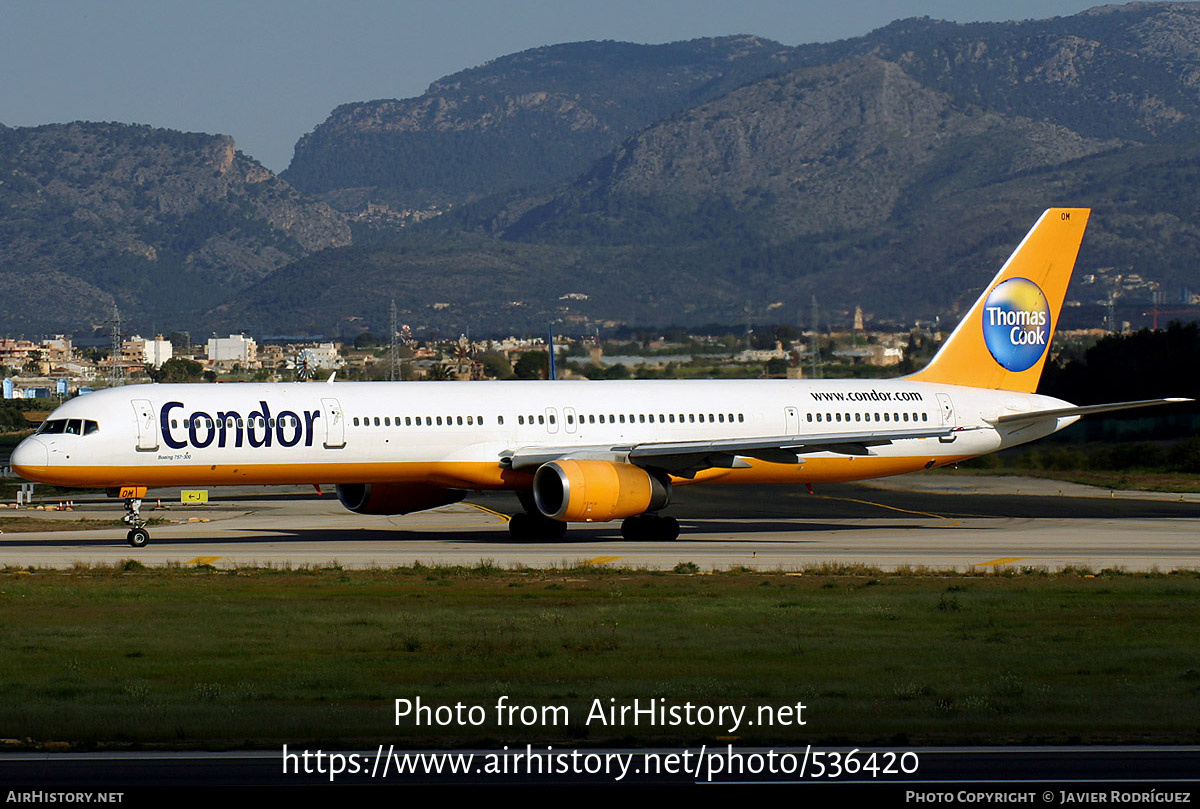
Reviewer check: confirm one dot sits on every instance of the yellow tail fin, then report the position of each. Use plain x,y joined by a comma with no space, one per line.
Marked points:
1004,340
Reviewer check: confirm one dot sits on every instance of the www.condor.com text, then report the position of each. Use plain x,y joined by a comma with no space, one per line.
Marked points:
703,764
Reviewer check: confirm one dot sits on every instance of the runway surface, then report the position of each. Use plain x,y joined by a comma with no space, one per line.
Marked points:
933,521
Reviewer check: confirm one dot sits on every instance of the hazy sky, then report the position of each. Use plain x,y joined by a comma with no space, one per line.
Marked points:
267,71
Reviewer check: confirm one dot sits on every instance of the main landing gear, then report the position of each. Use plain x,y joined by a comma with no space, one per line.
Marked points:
525,527
650,528
531,524
138,536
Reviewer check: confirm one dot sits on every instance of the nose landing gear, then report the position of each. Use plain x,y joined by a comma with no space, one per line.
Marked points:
138,536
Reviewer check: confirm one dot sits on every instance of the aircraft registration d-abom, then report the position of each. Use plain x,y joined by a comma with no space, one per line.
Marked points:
585,451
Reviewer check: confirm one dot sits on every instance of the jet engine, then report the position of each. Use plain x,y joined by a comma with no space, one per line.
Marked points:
395,498
599,491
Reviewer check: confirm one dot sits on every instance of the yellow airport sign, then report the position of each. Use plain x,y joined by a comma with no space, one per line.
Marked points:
193,496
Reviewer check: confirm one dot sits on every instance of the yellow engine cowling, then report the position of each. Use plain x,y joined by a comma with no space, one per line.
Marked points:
597,491
395,498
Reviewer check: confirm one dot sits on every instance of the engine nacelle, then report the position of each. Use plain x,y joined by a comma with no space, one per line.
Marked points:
597,491
395,498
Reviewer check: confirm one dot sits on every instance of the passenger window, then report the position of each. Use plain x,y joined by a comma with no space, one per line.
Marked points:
439,421
541,419
356,421
459,421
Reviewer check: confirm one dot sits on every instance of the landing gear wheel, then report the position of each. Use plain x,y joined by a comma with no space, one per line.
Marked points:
632,529
650,528
138,537
526,527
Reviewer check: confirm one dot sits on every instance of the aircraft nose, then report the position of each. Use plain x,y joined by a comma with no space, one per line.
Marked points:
30,455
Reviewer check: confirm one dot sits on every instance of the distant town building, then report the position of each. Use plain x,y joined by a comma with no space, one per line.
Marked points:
324,357
235,349
154,353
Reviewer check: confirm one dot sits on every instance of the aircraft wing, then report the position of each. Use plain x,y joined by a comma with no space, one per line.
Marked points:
686,458
1013,419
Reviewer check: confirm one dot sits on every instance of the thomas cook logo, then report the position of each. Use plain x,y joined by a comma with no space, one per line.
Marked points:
1016,324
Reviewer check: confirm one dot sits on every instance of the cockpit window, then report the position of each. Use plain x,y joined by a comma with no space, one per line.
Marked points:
68,427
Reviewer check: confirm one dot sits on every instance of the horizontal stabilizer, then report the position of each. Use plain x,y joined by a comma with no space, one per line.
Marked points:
1085,410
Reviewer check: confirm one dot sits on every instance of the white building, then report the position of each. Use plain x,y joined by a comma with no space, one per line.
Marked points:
237,348
157,351
324,357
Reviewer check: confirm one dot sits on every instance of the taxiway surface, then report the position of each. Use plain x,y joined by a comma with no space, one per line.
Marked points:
938,522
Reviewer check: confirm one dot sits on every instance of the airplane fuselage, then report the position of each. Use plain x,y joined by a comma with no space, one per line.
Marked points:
459,434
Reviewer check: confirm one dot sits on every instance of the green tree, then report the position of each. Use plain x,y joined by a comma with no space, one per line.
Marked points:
177,370
531,365
496,365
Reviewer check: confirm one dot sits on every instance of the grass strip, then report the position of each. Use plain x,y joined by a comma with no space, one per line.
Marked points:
198,657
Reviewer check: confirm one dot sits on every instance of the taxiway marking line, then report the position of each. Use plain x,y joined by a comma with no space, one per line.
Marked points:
203,560
950,520
487,510
1005,561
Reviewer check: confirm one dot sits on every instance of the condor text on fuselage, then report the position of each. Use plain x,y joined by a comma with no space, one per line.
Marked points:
228,428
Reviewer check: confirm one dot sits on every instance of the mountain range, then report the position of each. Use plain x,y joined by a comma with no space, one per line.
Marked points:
603,182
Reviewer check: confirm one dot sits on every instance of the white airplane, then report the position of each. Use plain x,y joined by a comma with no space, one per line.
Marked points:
585,451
